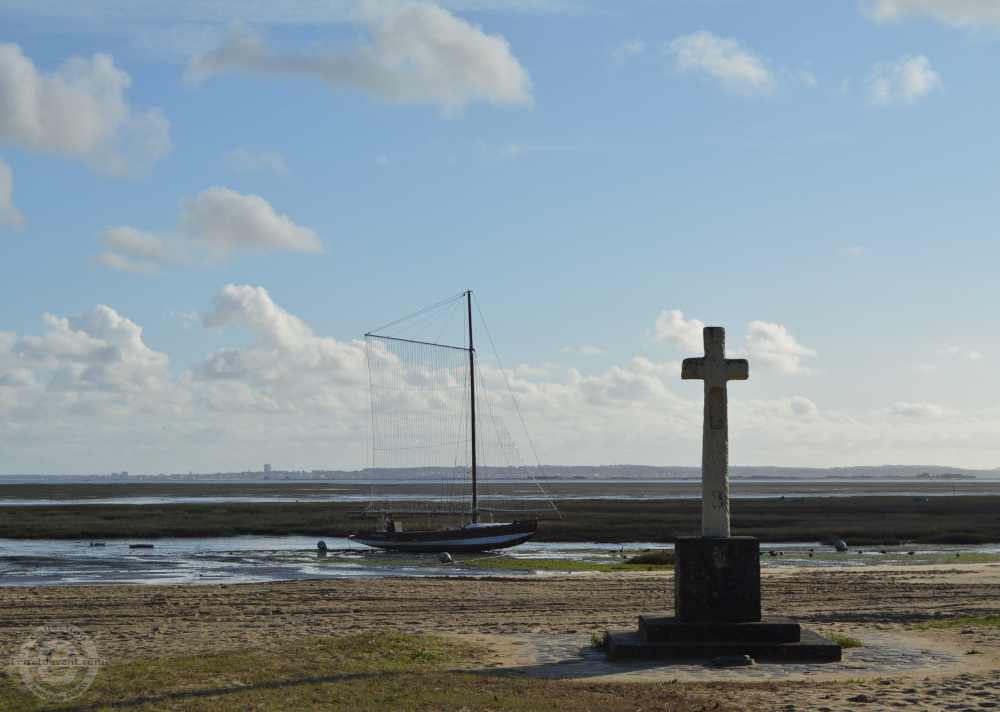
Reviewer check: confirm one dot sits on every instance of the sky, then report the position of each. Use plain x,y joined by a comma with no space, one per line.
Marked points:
204,206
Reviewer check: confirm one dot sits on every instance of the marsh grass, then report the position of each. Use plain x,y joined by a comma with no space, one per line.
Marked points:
861,521
655,558
371,671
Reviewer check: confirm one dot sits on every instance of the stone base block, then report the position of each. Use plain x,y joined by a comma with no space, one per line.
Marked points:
694,645
717,580
668,629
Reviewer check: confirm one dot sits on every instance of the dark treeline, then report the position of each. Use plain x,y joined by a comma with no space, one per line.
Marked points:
856,520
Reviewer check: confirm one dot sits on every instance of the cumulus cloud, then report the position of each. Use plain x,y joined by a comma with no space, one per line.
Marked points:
90,386
78,111
89,364
678,332
771,347
722,60
904,81
591,351
417,53
9,214
287,369
971,14
209,229
239,159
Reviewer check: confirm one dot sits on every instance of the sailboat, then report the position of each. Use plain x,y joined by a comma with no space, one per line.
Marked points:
447,475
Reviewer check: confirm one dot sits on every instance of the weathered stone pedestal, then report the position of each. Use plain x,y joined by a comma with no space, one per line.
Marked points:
717,612
717,579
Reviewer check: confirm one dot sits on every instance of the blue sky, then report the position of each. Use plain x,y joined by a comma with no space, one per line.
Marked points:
204,205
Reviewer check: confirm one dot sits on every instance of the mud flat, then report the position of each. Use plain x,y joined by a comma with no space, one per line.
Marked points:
500,614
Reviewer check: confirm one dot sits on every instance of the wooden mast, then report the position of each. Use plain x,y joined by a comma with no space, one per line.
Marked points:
472,396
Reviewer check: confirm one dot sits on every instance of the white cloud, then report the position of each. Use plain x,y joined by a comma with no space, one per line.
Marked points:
642,365
685,335
382,160
971,14
853,251
917,410
239,159
955,351
287,369
926,367
538,371
418,53
78,111
9,214
624,51
737,70
808,78
902,82
88,365
209,229
591,351
771,347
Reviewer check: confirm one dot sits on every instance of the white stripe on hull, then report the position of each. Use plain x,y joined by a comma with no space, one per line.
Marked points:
443,543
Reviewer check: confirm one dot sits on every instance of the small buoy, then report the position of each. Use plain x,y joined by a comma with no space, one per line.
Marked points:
444,557
840,546
321,545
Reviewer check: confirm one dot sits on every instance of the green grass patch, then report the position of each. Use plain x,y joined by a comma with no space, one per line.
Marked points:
372,671
844,641
600,641
984,620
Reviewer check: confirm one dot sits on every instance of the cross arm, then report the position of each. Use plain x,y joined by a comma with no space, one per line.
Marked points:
693,368
737,369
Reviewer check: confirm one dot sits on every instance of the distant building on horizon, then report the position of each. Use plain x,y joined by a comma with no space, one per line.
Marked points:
267,468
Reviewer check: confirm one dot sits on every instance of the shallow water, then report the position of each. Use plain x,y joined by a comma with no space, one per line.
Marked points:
250,559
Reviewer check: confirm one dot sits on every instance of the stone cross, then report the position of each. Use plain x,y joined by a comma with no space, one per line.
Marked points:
715,369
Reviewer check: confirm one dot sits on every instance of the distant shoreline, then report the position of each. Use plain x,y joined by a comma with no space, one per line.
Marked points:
554,472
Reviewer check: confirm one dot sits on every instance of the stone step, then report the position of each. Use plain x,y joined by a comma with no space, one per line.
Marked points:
667,629
811,648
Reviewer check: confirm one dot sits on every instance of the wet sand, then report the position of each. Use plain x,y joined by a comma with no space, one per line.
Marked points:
129,621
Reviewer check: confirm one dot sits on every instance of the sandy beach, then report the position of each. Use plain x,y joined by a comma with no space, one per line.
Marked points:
154,621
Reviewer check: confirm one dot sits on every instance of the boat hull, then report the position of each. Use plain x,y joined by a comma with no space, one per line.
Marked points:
470,539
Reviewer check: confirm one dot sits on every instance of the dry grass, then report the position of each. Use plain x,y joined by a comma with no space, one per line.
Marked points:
372,671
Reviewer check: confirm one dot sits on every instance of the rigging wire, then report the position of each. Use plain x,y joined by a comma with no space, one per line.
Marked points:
514,400
374,332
